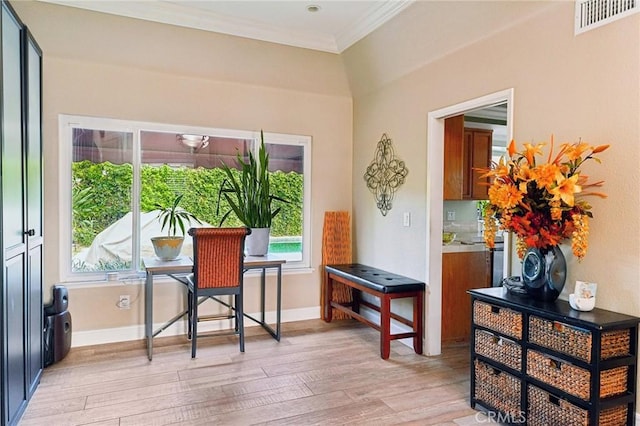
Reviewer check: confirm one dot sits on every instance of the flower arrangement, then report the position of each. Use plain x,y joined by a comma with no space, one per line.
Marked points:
542,204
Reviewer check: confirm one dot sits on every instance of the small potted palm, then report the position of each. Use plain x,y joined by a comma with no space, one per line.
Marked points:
248,194
172,218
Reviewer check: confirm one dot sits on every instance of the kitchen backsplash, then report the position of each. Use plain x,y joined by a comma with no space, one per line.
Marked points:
461,217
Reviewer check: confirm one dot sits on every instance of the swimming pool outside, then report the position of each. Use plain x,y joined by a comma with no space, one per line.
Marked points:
289,246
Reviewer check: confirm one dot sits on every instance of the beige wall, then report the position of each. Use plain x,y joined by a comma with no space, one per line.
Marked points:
574,87
102,65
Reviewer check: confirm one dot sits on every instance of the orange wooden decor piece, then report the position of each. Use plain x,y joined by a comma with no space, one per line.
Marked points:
336,249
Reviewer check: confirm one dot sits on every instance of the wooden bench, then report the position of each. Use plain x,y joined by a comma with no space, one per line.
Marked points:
384,285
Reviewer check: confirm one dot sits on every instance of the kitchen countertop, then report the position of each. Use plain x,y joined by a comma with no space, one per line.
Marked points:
468,244
458,247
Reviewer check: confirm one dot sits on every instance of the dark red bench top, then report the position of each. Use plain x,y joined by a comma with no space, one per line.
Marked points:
374,278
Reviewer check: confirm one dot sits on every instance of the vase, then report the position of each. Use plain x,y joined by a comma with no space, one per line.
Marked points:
257,243
167,248
544,272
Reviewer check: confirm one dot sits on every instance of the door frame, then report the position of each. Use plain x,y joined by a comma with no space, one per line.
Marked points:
434,213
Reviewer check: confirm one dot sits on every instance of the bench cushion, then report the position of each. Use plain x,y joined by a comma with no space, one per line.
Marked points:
375,279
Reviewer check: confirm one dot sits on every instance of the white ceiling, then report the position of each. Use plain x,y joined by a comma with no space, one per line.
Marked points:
333,28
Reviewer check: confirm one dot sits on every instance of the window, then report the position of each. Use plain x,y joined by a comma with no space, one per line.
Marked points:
121,171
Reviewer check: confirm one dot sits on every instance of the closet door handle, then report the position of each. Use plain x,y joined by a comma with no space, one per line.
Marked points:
30,232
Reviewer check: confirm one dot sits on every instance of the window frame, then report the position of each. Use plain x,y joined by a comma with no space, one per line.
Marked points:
66,124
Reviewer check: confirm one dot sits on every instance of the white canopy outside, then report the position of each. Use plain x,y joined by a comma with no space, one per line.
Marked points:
116,242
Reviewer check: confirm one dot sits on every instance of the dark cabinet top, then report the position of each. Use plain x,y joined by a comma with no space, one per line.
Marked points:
599,319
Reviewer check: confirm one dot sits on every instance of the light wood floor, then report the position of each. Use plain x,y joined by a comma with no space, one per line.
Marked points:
325,374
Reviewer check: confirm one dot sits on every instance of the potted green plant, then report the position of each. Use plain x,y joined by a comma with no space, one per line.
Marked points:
172,218
248,194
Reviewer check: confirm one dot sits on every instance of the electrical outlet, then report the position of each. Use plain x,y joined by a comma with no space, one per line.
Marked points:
451,215
124,302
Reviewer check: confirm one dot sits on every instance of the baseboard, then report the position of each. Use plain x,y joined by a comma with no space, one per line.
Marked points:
136,332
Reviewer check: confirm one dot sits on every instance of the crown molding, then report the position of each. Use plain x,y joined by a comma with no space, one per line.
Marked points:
370,22
176,14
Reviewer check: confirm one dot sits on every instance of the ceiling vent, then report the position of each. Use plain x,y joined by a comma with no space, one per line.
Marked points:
592,14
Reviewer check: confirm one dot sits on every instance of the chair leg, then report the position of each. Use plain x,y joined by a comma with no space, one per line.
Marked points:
189,313
194,323
240,320
235,303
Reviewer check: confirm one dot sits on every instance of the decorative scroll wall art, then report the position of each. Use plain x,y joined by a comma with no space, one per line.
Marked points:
385,174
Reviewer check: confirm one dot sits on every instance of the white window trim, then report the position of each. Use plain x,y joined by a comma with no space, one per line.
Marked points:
65,124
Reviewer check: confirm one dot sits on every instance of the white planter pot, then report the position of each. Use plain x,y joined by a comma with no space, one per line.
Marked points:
167,248
257,243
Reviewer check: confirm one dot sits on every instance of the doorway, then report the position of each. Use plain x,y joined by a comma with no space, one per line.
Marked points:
434,214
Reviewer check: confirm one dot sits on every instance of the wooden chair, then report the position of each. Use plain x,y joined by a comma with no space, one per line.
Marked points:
218,256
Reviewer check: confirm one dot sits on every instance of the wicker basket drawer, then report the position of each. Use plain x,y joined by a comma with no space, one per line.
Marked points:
497,318
575,341
575,380
496,388
546,409
499,349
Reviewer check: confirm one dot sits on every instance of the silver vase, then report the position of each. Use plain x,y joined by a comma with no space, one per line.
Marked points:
544,272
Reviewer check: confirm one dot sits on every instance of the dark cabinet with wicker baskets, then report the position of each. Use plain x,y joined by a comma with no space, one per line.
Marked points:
543,363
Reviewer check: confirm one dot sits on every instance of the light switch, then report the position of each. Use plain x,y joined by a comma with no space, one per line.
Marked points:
406,219
451,215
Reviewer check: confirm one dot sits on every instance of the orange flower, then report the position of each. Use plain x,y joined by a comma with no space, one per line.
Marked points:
556,210
579,243
599,149
490,227
545,175
565,189
531,151
500,170
504,196
523,172
575,151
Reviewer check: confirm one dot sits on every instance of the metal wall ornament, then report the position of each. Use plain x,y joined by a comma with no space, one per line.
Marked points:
385,174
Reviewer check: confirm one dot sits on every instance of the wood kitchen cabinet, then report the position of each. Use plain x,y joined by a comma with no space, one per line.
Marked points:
453,158
464,150
461,272
477,154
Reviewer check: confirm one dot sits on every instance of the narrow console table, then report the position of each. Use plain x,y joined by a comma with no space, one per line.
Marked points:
543,363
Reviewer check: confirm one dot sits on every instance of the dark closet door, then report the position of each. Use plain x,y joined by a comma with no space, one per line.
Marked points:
13,201
33,156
